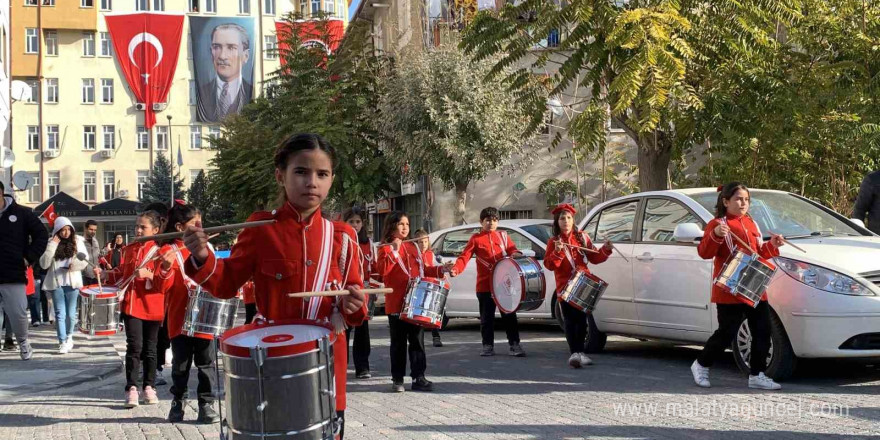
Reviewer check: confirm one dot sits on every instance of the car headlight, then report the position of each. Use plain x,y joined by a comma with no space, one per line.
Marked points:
822,278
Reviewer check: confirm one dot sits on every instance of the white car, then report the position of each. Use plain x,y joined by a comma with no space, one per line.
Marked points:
530,237
825,302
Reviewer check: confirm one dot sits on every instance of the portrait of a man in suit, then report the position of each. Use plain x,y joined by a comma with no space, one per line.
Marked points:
227,91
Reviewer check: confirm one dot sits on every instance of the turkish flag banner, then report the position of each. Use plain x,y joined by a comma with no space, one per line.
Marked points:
324,34
49,215
146,46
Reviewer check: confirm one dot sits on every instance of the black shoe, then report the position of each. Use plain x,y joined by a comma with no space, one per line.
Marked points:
437,341
207,414
176,413
8,345
363,374
422,384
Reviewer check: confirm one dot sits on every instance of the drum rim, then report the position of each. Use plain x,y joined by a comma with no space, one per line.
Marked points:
82,292
271,352
522,282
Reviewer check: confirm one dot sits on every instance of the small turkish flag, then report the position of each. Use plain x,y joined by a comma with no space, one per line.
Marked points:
49,215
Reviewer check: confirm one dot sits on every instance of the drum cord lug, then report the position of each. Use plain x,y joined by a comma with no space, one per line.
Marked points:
217,394
259,356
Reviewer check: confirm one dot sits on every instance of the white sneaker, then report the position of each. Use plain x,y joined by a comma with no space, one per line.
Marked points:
63,348
763,382
701,375
574,361
70,342
585,360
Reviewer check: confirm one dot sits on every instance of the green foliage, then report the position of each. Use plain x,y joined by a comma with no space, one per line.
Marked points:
158,186
555,191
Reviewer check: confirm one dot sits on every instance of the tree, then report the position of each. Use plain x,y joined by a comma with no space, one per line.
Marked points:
441,119
158,186
333,95
643,62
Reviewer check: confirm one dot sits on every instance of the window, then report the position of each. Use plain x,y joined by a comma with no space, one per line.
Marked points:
31,40
514,215
193,5
192,92
158,5
51,43
106,45
316,7
195,137
35,91
52,137
523,243
244,7
142,177
107,90
52,90
454,242
615,223
141,5
304,7
161,137
35,195
330,7
109,185
193,174
88,91
89,185
109,137
213,132
270,47
211,6
30,2
106,5
33,138
88,44
87,3
53,182
143,138
661,218
89,137
48,2
268,7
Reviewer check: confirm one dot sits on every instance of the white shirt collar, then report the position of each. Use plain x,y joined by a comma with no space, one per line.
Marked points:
234,87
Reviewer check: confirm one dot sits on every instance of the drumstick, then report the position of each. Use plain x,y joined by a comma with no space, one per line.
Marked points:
224,228
785,240
740,241
213,236
582,248
621,253
381,291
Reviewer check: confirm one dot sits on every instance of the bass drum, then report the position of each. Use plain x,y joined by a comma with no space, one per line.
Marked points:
518,284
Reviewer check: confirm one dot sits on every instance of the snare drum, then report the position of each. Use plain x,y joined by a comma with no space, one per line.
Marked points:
207,315
280,381
99,310
746,277
518,284
583,291
425,303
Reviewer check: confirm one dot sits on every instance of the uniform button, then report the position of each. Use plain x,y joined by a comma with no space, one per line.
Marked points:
309,263
277,276
274,211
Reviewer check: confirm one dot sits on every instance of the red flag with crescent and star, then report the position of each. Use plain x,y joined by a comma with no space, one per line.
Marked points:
49,214
146,46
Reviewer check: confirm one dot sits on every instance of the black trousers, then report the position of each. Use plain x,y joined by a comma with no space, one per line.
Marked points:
575,327
250,310
44,304
140,340
487,321
187,350
360,349
162,345
729,318
403,334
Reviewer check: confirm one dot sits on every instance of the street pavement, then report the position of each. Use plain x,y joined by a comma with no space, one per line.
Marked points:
635,390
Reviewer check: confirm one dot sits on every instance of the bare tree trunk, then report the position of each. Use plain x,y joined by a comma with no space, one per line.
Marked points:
461,202
654,154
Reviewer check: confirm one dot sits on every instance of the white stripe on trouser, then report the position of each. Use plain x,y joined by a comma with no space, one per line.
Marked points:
13,302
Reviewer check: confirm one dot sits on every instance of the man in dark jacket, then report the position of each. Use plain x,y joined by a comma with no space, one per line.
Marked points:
868,202
23,239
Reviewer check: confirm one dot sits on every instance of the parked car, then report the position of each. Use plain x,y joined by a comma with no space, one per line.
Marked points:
530,237
825,302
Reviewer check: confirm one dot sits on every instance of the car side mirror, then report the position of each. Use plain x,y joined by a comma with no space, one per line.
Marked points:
528,253
858,222
687,233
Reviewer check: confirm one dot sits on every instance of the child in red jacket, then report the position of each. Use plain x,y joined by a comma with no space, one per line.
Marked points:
428,257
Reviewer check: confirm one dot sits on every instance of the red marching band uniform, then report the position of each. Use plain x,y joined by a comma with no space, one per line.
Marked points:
291,255
248,295
568,261
177,295
368,260
490,247
396,269
720,249
143,299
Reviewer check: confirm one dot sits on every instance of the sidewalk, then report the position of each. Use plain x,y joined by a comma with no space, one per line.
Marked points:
92,359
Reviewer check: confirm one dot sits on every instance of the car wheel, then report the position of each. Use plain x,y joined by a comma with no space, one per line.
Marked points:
557,313
781,360
595,339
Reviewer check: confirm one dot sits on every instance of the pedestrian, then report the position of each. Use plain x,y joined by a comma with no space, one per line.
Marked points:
112,253
868,202
93,250
428,257
8,336
565,262
732,220
33,298
143,306
490,247
398,263
23,238
250,301
287,256
360,350
64,278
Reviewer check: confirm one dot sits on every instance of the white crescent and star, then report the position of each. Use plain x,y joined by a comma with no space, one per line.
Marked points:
148,38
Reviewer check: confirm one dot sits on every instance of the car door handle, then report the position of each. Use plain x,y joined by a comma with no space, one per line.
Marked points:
645,257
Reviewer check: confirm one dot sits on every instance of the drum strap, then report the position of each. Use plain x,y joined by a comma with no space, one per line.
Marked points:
729,240
567,251
323,269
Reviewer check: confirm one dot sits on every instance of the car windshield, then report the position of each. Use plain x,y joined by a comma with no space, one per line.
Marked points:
786,214
541,231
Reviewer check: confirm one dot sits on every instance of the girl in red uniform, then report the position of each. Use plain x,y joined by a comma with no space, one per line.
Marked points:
361,341
250,301
186,349
428,257
398,262
718,243
565,261
491,246
300,252
143,306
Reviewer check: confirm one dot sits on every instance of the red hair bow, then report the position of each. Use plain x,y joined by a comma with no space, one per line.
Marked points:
179,202
564,207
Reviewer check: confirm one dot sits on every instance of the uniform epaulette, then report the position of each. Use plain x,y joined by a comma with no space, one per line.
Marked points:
340,227
262,215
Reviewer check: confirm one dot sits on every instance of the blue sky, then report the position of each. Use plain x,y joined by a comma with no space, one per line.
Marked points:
353,7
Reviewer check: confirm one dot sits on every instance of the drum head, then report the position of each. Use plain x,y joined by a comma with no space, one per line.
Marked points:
282,339
93,290
507,285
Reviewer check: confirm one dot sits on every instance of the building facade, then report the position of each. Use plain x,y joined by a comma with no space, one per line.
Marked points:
5,100
82,133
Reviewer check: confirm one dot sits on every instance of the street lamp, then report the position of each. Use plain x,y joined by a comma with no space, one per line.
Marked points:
171,158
